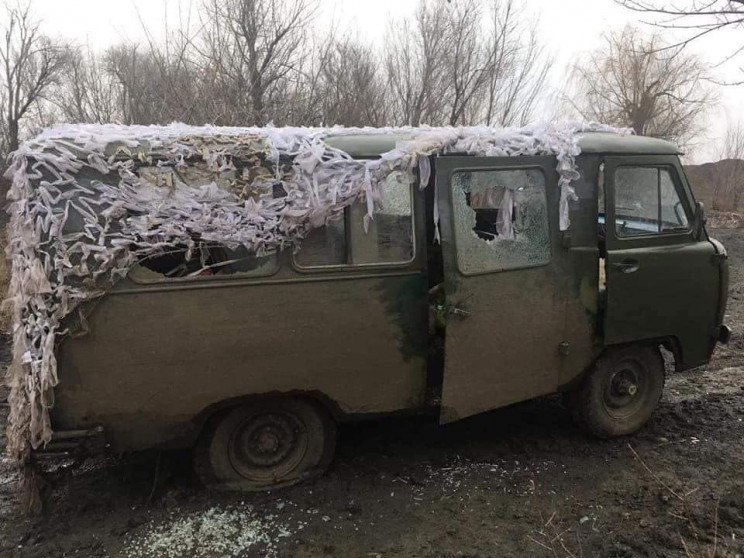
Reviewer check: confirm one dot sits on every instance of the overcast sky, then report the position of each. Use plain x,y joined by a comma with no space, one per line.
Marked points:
570,28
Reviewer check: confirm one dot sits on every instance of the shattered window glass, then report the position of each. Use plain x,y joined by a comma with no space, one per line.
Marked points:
501,219
388,239
647,202
207,259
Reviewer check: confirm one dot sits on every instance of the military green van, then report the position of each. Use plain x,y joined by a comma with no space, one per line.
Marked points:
253,360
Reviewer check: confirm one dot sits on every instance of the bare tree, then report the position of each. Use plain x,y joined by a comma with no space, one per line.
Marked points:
448,66
415,62
255,46
468,59
518,66
694,18
353,87
632,82
86,91
4,133
31,64
139,98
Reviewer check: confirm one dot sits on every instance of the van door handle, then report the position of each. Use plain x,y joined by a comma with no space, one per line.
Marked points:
626,266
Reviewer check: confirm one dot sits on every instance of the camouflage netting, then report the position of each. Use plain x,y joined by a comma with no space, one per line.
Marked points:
83,214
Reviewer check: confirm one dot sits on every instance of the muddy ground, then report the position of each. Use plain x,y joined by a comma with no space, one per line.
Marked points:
517,481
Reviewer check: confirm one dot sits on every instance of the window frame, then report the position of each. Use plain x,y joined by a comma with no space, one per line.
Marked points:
546,197
374,265
678,188
162,279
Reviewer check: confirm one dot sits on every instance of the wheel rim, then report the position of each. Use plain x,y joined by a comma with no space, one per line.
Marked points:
267,447
625,389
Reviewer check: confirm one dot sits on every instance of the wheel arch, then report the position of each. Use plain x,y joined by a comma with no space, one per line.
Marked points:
670,343
213,412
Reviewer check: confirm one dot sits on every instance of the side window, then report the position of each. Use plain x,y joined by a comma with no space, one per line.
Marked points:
325,245
501,219
343,241
208,259
673,216
646,202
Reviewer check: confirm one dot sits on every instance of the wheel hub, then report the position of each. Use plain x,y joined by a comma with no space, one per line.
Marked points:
623,389
267,445
267,442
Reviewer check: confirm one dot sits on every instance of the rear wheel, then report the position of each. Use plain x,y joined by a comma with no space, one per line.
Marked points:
267,444
620,393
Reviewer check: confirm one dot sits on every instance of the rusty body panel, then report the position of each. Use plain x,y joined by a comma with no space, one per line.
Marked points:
153,359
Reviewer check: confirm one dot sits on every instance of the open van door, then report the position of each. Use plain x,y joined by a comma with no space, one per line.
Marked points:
506,309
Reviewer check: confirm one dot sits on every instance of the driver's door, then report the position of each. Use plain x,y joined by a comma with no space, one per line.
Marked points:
662,281
505,300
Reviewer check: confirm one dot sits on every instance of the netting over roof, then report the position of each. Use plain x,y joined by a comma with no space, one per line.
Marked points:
83,215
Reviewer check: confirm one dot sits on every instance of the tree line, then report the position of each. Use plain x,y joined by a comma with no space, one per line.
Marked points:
251,62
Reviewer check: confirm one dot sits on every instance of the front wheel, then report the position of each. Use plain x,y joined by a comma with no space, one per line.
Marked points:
620,393
267,444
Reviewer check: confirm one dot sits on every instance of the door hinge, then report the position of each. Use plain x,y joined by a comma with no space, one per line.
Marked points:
563,348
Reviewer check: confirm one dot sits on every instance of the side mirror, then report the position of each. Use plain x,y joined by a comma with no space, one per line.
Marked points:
698,221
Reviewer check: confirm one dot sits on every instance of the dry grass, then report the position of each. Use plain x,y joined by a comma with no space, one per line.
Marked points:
725,220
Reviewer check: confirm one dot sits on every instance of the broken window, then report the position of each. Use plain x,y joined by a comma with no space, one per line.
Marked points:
646,202
343,241
501,219
207,259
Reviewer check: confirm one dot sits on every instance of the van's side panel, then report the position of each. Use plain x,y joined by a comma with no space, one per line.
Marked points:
153,360
156,356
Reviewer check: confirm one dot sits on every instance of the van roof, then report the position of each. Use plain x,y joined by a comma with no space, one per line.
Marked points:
374,145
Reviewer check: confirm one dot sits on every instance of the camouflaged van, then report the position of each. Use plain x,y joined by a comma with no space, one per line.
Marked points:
253,361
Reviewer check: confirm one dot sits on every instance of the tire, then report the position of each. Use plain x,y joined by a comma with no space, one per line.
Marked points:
620,393
267,444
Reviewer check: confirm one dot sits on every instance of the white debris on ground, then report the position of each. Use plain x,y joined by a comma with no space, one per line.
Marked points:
507,476
216,532
242,530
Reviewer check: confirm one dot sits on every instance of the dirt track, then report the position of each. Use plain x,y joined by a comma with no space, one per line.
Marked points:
521,480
